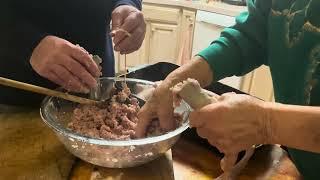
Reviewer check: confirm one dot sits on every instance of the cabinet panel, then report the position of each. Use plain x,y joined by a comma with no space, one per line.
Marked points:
163,42
160,13
204,34
186,37
259,83
188,22
208,28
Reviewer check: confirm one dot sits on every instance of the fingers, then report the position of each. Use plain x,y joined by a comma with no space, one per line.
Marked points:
195,119
84,58
128,29
117,20
130,23
166,118
226,96
145,115
157,83
205,133
228,161
52,76
69,81
76,69
132,43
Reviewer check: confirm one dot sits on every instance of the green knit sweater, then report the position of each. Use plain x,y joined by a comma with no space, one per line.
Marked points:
284,35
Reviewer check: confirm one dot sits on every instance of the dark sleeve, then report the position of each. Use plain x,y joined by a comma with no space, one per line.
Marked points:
242,47
135,3
19,36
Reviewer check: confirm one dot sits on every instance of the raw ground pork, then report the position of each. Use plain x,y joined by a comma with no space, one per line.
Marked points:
114,120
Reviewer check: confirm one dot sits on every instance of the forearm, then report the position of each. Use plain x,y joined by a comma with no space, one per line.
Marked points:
197,69
295,126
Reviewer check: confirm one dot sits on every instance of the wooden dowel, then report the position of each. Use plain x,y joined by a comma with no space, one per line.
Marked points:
45,91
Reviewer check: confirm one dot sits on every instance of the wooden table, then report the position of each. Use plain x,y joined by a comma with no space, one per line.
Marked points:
30,150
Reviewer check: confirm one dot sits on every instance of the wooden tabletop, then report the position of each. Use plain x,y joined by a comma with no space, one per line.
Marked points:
30,150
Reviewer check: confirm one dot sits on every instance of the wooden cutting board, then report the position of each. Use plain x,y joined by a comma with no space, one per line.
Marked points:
30,150
159,169
191,161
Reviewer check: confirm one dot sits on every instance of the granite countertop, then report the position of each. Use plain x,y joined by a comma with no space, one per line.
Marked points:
216,7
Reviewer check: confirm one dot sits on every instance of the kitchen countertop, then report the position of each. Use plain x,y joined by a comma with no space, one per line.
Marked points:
216,7
30,150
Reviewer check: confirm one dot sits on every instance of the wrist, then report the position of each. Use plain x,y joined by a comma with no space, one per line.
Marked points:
270,123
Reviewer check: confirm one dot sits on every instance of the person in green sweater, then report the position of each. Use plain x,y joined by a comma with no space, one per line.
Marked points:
282,34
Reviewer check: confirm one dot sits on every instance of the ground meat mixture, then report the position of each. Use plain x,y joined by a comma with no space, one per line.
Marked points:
114,119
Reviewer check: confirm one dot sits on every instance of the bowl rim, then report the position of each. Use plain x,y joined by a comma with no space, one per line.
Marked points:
149,140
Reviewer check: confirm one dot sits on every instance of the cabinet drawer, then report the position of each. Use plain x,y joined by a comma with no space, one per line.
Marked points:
162,14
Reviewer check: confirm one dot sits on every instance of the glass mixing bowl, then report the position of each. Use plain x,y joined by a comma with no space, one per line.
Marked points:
56,113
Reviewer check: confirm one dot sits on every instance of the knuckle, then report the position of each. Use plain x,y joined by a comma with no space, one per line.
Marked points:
132,17
65,46
139,15
53,56
69,65
116,13
141,31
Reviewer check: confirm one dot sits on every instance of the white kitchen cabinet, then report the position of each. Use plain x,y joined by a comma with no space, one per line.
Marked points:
186,36
208,28
163,44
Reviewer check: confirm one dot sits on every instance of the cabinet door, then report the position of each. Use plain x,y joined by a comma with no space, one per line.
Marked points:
259,83
163,42
188,24
204,34
133,59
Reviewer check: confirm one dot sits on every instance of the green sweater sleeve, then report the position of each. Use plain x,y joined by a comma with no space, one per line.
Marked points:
242,47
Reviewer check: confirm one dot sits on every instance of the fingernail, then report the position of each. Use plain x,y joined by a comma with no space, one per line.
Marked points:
98,74
84,89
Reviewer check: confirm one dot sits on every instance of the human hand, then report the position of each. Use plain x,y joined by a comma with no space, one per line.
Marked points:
234,123
128,19
159,104
65,64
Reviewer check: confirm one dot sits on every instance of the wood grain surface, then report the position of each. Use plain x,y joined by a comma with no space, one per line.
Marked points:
193,162
30,150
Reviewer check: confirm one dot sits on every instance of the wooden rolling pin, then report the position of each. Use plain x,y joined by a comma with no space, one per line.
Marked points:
45,91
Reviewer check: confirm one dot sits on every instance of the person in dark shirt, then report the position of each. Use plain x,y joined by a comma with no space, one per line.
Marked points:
47,43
